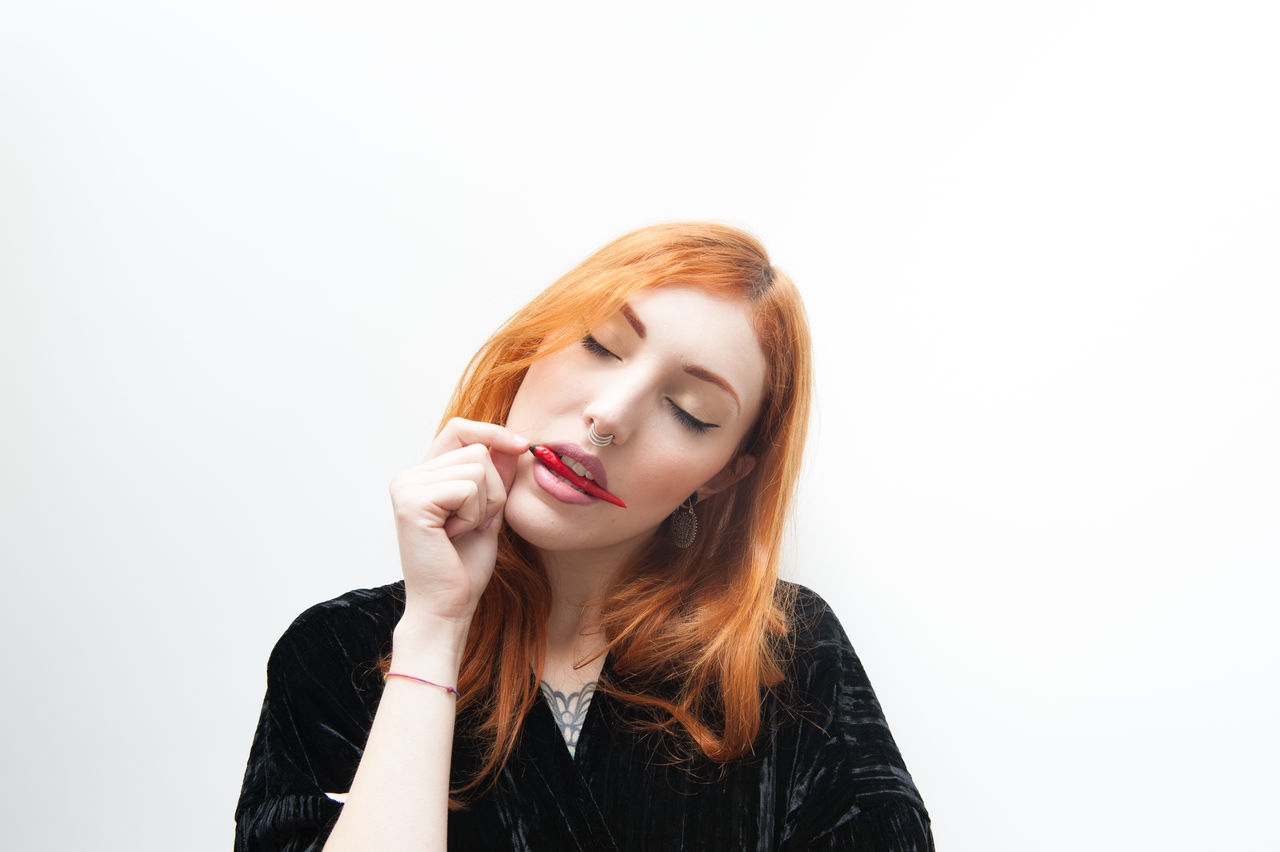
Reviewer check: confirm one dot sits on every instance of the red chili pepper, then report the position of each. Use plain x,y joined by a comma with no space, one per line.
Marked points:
548,457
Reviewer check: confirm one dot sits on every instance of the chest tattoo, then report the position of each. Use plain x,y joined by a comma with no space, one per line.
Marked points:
569,711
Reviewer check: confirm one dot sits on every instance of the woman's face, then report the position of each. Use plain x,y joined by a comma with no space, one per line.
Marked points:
677,378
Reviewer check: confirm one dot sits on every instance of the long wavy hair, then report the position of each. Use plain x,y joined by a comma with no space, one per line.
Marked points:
695,636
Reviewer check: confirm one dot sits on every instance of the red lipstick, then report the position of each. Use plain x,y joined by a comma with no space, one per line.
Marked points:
548,457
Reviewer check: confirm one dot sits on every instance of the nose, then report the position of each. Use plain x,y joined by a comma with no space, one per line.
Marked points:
612,412
603,430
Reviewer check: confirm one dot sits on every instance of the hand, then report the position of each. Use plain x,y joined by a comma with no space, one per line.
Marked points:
448,512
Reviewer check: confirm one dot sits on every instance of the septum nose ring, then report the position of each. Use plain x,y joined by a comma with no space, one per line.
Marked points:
596,438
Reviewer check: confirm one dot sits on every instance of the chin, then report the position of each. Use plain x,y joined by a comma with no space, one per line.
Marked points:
537,523
546,528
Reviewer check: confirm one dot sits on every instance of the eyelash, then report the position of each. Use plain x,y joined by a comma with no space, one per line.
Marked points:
593,346
694,424
690,422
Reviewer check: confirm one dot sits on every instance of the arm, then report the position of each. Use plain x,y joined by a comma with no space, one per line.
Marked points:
448,513
399,798
322,691
853,790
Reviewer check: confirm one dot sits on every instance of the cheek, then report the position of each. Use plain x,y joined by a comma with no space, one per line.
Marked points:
536,394
672,478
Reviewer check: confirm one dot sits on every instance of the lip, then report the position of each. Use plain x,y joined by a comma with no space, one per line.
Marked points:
593,465
560,489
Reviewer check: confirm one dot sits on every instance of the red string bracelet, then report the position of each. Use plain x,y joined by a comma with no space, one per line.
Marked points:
448,689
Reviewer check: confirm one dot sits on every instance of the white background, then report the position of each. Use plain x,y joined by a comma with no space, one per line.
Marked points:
247,247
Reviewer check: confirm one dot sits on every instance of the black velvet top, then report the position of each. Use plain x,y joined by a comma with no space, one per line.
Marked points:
824,774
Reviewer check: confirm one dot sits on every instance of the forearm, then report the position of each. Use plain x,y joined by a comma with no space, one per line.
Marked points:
448,510
399,798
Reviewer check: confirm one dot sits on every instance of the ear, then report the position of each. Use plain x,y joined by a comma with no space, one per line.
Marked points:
728,475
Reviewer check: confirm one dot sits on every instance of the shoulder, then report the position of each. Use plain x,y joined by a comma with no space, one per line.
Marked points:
842,731
323,686
814,627
820,658
353,626
825,678
356,607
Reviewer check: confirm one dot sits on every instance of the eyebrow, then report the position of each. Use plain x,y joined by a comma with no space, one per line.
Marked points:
634,320
692,369
708,376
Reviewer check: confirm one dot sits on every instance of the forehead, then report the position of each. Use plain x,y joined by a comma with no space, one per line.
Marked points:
706,331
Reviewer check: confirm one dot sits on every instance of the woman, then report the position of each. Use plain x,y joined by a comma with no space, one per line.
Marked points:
591,648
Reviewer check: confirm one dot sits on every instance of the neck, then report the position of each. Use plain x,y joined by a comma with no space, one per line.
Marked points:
579,579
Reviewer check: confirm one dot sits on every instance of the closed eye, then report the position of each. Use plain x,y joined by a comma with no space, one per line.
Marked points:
693,423
593,346
690,422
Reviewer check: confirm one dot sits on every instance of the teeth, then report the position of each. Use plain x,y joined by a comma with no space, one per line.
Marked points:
577,468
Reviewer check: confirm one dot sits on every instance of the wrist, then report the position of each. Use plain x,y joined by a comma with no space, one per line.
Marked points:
428,647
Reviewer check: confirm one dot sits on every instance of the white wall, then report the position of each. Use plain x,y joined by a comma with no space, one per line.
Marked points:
247,247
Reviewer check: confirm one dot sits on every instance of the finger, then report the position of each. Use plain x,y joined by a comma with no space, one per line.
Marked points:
505,464
493,492
456,526
475,471
478,509
427,493
459,432
453,505
470,454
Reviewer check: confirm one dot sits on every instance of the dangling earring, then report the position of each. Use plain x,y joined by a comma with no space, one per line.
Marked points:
684,523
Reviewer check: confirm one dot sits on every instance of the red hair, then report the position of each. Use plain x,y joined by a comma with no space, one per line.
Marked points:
707,623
